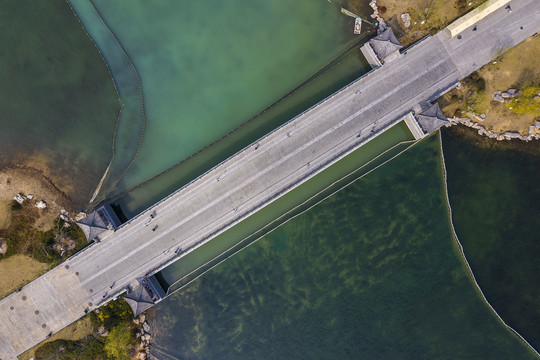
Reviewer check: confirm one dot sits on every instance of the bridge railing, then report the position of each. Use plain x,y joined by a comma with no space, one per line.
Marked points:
249,146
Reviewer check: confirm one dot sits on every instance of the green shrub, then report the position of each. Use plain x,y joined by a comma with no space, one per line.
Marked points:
88,348
528,102
119,342
112,314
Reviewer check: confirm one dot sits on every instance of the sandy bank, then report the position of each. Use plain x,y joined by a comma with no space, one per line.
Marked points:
32,181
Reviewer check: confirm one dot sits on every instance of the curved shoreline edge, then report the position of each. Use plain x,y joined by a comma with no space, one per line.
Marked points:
464,258
119,123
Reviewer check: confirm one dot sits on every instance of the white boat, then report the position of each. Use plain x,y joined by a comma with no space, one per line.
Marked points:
358,25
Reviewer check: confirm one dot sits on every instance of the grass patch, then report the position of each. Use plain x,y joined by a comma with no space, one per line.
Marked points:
518,69
110,334
49,247
17,271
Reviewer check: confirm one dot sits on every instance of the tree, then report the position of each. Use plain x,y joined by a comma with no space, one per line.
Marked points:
119,342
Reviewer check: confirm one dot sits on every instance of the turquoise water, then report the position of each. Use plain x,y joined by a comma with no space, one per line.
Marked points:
494,193
207,67
344,70
370,273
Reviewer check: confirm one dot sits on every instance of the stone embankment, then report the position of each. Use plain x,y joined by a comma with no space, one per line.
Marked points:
534,130
472,120
375,15
144,335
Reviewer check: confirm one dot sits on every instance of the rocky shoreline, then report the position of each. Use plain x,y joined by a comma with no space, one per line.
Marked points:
508,135
145,337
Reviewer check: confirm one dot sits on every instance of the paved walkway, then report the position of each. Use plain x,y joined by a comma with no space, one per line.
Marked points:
256,176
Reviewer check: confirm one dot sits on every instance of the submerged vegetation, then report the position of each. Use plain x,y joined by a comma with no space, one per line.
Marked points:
371,272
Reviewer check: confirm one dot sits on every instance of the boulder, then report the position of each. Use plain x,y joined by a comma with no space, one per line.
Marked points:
498,98
406,18
41,205
19,198
146,327
482,116
142,318
506,95
495,94
30,196
512,92
3,247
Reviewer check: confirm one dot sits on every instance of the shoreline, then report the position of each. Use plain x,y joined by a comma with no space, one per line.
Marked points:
35,186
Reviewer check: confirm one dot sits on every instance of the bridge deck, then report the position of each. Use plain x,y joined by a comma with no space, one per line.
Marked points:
256,176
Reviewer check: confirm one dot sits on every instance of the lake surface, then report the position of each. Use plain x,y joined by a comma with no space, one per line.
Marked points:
370,273
205,68
59,105
495,194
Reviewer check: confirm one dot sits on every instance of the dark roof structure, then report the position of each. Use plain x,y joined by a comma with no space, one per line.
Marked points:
139,300
93,225
385,43
431,119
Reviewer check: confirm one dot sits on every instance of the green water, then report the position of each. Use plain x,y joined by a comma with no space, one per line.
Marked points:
344,70
353,166
370,273
59,105
207,67
494,193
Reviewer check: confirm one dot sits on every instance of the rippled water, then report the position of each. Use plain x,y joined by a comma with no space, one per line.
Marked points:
371,273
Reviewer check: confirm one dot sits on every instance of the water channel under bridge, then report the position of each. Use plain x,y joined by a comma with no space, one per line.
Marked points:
256,176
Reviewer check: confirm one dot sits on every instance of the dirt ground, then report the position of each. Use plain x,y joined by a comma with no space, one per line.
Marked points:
427,16
5,206
28,181
517,68
17,271
75,331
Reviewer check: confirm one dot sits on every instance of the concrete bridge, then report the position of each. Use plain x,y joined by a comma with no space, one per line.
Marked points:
256,176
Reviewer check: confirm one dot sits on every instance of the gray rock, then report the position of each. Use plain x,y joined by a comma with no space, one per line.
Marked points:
512,91
495,94
19,198
506,95
511,135
482,116
406,18
146,327
498,98
41,205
